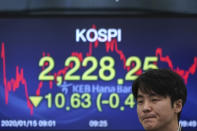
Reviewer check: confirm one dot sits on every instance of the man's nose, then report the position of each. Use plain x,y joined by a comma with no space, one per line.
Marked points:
146,106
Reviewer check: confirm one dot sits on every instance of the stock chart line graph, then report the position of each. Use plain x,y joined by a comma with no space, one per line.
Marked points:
14,83
183,73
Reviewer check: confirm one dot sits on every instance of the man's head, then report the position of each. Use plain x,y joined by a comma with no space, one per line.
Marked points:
160,96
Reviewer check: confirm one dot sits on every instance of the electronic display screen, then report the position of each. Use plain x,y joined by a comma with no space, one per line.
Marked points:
76,73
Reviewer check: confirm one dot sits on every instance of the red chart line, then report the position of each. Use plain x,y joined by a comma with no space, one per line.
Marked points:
111,46
183,73
14,83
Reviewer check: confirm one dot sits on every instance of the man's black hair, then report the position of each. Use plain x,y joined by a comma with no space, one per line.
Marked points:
163,82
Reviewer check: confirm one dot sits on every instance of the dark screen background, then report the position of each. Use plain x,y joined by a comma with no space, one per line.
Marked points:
26,39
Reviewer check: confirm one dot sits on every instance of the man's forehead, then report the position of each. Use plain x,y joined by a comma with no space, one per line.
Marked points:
148,93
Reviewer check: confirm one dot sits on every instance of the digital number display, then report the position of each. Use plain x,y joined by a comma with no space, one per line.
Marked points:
76,73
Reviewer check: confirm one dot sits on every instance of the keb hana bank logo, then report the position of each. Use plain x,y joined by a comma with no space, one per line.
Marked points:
102,35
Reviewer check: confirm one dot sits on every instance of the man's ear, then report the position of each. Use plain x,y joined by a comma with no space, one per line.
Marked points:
178,105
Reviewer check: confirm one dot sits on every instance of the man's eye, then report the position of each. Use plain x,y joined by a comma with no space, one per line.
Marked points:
140,102
155,99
